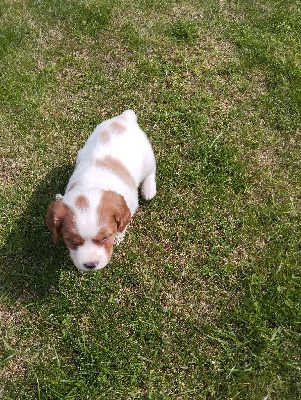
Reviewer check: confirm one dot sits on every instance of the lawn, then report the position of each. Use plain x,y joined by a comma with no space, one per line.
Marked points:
201,300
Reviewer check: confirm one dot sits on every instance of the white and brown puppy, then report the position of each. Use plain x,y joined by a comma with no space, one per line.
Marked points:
102,193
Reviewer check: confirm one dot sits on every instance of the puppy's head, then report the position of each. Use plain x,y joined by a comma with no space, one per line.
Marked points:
88,224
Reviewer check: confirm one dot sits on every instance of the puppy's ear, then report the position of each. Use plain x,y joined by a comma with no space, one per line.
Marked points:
54,217
114,206
123,214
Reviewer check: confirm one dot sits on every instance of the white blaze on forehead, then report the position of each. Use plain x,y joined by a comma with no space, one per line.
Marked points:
85,208
87,223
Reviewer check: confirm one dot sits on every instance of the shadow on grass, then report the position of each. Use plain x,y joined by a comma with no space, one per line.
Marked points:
31,263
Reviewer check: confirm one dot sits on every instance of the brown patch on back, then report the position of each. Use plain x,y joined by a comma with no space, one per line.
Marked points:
82,202
117,168
105,136
117,127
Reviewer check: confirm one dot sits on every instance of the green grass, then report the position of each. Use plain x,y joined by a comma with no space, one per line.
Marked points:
201,299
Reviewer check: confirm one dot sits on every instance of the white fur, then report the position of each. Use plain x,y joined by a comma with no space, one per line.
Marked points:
132,148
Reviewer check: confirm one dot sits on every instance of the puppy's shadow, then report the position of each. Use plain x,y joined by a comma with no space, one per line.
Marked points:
31,263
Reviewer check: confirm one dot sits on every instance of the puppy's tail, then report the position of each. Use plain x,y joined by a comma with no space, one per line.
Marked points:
129,116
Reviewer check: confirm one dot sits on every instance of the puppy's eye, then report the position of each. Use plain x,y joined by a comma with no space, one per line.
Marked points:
73,243
105,239
99,242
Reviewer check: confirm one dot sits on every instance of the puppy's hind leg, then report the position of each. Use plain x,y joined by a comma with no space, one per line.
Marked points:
148,187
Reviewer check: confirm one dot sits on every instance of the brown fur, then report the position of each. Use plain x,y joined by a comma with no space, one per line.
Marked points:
82,202
58,214
117,168
117,127
113,210
105,136
107,244
72,239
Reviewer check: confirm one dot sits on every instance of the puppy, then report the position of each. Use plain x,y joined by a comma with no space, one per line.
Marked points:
102,193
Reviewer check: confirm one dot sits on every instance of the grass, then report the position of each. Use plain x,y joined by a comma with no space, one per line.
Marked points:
201,299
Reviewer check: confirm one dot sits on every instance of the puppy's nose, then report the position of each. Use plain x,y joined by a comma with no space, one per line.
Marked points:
91,265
